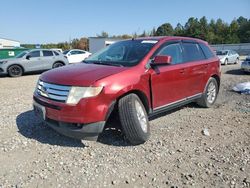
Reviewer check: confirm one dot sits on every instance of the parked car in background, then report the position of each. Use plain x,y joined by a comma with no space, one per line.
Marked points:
57,49
132,79
75,55
32,60
228,57
245,65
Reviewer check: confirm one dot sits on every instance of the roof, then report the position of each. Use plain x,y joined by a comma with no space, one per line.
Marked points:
160,38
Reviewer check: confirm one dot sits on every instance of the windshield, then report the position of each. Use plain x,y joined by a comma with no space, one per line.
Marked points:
65,52
221,53
22,54
124,53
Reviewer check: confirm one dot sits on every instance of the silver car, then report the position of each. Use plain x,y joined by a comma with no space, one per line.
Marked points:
245,65
228,57
32,60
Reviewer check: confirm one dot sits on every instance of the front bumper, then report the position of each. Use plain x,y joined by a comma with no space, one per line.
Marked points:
85,120
78,131
2,70
245,67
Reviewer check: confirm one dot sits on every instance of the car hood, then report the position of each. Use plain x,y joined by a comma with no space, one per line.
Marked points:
9,59
221,56
80,74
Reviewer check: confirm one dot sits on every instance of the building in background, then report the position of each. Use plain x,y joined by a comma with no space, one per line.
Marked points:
7,43
97,43
9,48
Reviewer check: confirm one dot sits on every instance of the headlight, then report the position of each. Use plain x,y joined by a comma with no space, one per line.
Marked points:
77,93
2,62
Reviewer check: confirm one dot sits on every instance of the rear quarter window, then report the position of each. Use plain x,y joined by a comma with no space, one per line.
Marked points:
192,52
56,53
208,53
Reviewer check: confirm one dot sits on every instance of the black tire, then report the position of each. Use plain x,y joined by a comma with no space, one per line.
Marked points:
136,129
237,61
210,94
226,62
57,64
15,71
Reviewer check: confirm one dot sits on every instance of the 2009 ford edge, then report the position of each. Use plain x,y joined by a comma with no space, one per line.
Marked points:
137,78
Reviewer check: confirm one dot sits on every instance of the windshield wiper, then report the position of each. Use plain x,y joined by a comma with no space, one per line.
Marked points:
106,63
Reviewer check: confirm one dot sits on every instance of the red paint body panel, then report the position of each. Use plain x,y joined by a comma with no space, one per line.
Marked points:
169,83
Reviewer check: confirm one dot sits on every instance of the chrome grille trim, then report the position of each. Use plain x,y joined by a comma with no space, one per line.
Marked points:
53,91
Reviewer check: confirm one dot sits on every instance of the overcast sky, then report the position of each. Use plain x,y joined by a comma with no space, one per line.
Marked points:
46,21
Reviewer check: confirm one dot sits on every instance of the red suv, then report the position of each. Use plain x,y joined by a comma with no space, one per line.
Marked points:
136,78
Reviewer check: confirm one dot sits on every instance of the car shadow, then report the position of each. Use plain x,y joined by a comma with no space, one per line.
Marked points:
236,72
33,128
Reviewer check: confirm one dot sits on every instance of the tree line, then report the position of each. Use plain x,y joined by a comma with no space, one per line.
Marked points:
213,31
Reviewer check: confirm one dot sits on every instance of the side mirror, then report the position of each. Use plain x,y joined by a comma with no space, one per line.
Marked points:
28,57
161,60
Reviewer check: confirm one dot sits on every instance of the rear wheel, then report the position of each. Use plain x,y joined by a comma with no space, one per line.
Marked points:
57,64
15,71
210,94
134,119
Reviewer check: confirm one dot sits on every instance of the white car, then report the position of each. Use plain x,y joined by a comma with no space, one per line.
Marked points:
228,57
75,55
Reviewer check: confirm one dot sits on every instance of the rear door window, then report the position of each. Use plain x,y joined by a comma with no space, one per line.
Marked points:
47,53
192,52
208,53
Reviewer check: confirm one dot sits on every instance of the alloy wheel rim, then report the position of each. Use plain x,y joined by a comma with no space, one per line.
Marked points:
141,116
15,70
211,92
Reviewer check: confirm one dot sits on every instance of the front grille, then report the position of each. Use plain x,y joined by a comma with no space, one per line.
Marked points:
53,91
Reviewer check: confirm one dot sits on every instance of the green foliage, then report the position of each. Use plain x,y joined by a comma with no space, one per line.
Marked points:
165,30
214,32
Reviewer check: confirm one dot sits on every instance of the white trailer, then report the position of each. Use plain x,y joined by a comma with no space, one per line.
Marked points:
97,43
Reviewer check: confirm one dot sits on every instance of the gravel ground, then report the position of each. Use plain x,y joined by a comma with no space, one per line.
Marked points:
180,153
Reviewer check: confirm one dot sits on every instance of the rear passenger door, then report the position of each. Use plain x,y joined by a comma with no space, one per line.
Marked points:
196,67
48,59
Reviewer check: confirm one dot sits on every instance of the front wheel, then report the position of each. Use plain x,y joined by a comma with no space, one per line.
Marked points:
57,64
237,61
210,94
15,71
225,62
134,119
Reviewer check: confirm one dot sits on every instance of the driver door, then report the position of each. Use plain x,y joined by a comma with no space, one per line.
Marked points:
34,63
169,82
